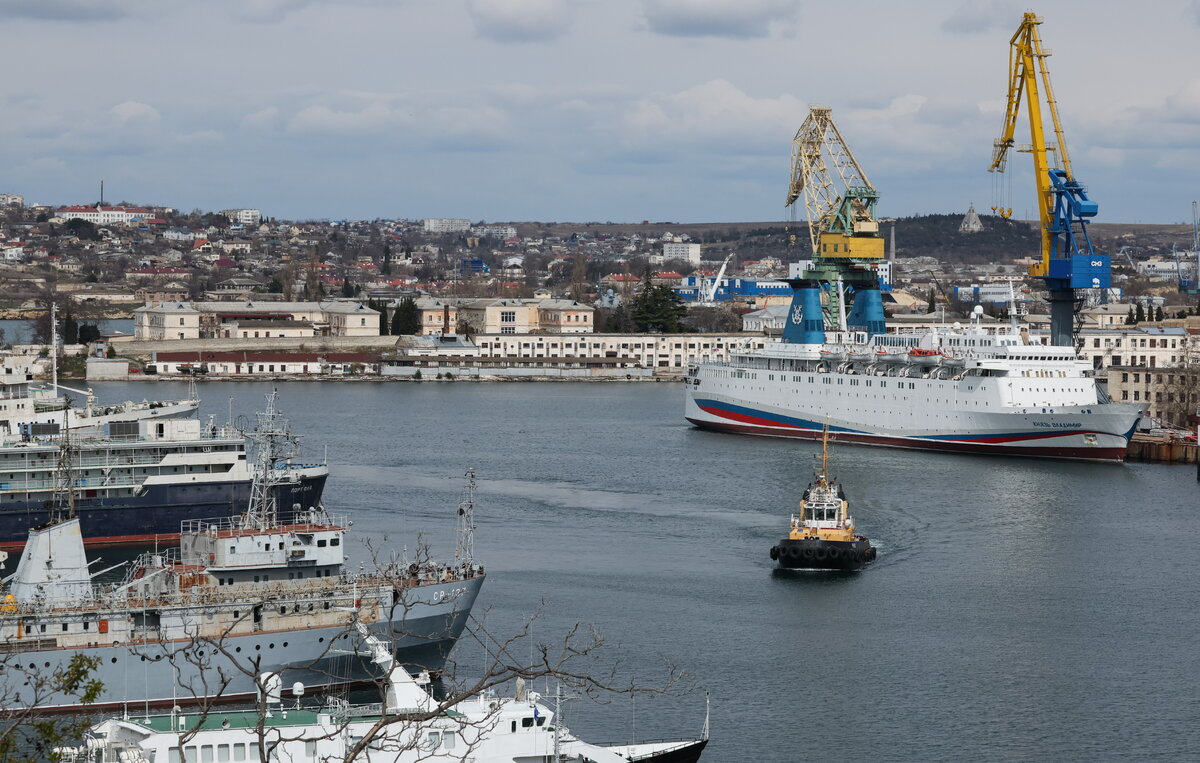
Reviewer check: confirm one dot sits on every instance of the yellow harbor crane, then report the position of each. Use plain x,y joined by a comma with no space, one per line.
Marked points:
1068,260
838,197
839,202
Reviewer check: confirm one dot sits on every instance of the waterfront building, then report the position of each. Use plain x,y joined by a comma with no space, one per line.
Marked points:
749,290
769,320
167,320
264,363
216,320
527,316
1147,347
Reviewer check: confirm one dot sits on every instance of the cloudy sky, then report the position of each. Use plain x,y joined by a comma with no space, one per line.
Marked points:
618,110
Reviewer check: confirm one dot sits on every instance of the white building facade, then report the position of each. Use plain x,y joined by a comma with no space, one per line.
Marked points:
442,225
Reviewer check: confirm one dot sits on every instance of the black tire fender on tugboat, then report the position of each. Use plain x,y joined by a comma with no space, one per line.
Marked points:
820,553
794,552
774,553
808,553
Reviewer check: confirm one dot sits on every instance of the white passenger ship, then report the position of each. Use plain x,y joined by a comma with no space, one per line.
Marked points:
26,404
968,389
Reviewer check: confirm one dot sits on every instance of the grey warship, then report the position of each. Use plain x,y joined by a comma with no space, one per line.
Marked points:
262,592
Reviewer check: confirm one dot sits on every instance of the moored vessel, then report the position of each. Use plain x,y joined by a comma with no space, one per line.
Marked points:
408,726
264,590
822,535
968,389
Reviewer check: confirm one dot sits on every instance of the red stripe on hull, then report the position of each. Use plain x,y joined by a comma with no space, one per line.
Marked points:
111,541
947,446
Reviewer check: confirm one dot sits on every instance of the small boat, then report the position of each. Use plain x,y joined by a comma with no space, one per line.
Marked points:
924,357
889,356
822,535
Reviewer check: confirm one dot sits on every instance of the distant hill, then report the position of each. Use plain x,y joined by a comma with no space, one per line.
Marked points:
934,235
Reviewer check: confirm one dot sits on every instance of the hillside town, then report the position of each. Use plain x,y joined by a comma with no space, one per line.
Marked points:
238,293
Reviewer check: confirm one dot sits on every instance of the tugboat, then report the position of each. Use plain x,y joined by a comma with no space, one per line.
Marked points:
822,534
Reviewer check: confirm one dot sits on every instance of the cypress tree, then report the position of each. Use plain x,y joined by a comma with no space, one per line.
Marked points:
1140,315
406,319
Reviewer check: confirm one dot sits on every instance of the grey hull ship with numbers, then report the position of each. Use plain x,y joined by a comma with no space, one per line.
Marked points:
263,592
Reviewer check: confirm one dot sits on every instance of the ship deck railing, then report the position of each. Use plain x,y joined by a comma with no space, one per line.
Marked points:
305,520
238,595
77,440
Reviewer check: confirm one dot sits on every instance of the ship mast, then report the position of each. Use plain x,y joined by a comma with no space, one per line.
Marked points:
63,503
275,443
464,552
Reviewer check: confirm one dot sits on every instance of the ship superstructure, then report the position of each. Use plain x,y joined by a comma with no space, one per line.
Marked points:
968,389
409,726
29,406
136,482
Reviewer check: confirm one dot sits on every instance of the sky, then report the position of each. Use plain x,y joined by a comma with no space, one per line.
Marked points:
579,110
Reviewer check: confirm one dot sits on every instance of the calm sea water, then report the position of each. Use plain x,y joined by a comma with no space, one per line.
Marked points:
1019,610
21,332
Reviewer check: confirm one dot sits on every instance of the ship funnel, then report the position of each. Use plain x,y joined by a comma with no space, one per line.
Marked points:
53,568
866,314
805,322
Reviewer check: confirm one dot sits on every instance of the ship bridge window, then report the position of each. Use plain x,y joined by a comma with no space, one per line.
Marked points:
321,543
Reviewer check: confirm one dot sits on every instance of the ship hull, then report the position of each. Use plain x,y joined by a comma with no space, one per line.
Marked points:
1091,433
155,514
135,676
818,554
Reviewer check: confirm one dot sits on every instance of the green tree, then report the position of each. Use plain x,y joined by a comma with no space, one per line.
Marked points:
406,319
385,267
657,308
347,288
27,734
618,321
88,332
1140,314
83,229
932,299
1158,313
1129,319
70,329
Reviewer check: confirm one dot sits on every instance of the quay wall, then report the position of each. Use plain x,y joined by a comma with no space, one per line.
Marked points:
1162,450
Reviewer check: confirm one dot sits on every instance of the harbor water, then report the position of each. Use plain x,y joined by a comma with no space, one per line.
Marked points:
1019,610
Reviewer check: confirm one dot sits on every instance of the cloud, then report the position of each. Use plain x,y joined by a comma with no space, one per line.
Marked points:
133,112
738,19
424,119
518,21
715,112
260,11
979,16
263,119
73,10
